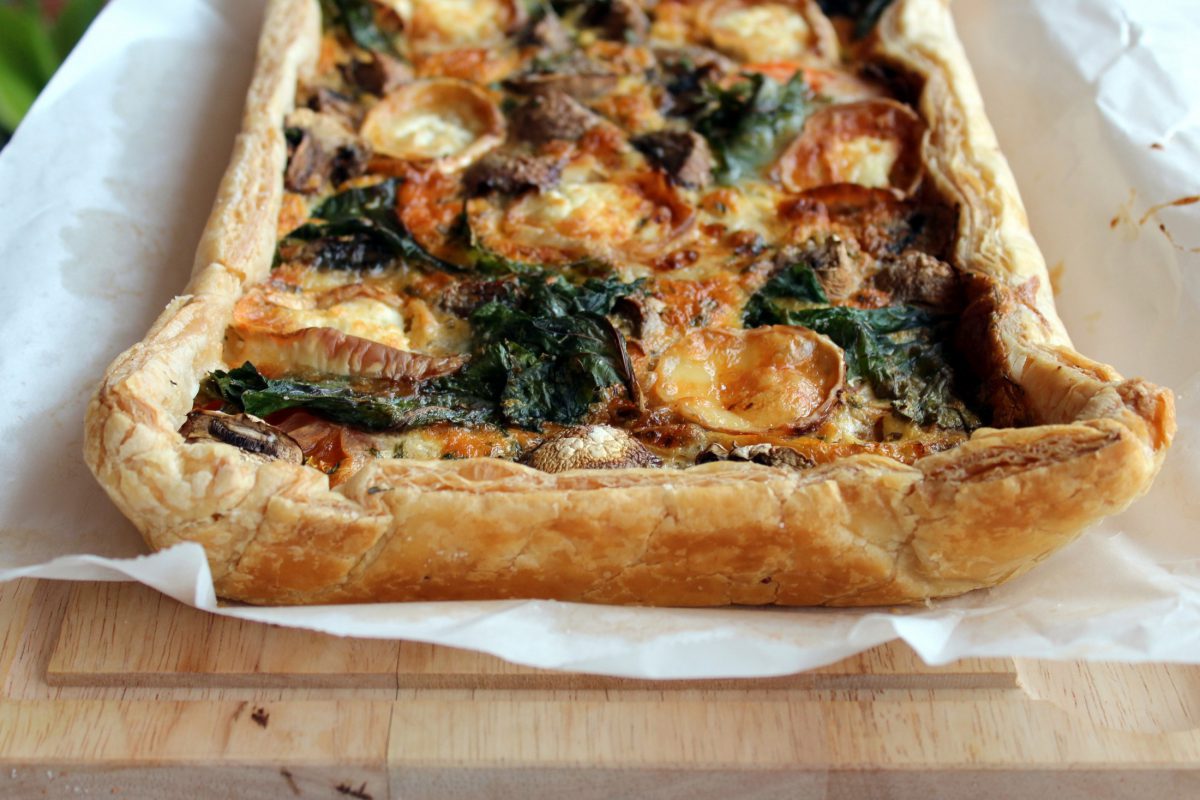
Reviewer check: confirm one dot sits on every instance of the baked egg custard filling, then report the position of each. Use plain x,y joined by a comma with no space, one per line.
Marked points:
616,235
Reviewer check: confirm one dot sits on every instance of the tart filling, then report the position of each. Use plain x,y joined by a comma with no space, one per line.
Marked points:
685,230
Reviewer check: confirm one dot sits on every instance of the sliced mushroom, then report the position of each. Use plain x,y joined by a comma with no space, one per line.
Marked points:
645,315
444,121
511,173
872,143
378,73
244,432
574,74
767,454
464,296
305,166
683,155
620,20
327,153
920,279
624,364
686,72
876,219
549,115
546,32
776,378
839,264
327,101
590,447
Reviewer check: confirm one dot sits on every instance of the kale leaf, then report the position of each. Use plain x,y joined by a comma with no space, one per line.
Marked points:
797,282
748,123
373,405
358,18
359,229
545,354
489,262
900,351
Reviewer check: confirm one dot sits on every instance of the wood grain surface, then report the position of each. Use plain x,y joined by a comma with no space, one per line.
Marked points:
112,689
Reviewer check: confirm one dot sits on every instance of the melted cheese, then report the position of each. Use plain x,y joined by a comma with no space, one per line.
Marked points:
445,441
426,135
753,208
867,160
452,22
768,32
750,381
603,212
362,316
369,312
777,384
450,120
606,220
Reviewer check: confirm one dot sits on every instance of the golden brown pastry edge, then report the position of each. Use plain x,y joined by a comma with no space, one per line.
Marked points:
865,530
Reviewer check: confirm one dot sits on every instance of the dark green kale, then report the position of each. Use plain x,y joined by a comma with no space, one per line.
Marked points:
797,283
865,13
358,18
359,229
900,351
748,123
487,262
373,405
546,353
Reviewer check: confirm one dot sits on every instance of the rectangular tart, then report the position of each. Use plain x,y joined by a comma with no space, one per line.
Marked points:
674,302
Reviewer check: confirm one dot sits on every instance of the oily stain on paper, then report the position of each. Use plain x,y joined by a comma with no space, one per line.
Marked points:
1153,210
1125,215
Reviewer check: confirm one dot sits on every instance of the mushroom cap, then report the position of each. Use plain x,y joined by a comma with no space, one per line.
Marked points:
590,447
248,433
763,453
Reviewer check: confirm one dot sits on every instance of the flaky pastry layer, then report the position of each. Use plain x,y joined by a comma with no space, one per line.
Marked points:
864,530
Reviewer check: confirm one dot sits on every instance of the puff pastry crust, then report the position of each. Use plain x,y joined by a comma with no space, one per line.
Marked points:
863,530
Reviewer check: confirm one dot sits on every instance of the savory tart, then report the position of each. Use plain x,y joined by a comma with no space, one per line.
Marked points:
687,302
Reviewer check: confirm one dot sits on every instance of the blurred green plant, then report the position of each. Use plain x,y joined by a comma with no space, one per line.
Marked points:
33,43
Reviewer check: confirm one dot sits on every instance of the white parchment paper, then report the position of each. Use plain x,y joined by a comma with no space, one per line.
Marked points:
106,186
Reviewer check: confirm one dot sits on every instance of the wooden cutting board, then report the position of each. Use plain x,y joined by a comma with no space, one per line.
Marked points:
114,690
